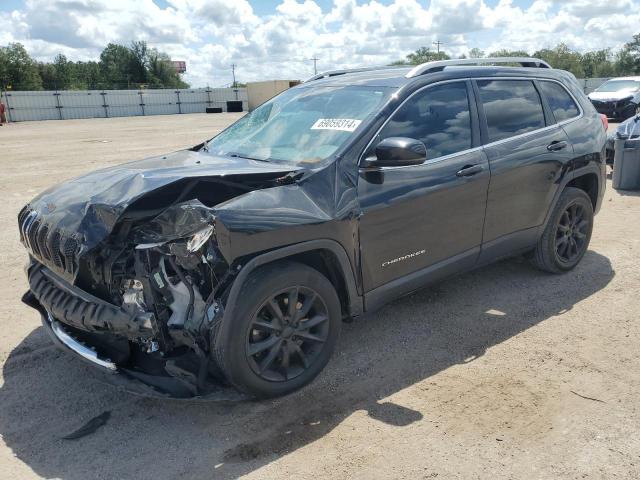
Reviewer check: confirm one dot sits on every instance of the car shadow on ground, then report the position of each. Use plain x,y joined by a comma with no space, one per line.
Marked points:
47,393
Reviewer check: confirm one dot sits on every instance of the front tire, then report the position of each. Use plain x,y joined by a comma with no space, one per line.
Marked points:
566,237
283,330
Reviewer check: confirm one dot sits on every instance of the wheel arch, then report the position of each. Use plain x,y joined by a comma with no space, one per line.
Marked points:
589,179
588,182
326,256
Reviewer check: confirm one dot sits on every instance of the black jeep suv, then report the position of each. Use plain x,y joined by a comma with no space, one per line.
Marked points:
234,263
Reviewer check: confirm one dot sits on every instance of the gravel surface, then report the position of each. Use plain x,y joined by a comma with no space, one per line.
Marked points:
504,372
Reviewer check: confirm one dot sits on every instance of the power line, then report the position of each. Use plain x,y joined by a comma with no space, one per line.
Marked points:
233,72
437,43
315,65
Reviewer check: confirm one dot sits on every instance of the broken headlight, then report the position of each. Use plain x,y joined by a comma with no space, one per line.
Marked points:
199,238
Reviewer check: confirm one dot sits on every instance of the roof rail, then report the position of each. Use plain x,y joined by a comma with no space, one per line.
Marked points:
439,65
333,73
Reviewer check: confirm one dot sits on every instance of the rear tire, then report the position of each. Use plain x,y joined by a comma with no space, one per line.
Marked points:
283,331
566,237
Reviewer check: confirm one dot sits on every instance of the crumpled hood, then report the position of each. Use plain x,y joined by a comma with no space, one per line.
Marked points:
611,96
88,207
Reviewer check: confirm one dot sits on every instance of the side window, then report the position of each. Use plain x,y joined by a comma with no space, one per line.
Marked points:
512,107
438,116
560,102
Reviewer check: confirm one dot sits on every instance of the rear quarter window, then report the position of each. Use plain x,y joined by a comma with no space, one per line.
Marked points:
561,103
511,107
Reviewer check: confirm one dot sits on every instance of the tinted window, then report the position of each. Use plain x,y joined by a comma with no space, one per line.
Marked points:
560,101
512,107
438,116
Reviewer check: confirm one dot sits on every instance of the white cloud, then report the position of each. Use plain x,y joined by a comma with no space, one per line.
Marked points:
212,34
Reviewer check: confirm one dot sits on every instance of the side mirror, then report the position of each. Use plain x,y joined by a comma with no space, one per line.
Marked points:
397,152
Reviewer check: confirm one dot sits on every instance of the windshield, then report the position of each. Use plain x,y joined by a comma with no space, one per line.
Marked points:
617,85
301,125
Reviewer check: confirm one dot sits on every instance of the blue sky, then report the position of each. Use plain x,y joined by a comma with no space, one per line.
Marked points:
276,38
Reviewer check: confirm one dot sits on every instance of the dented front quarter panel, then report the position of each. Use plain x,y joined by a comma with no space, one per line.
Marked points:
284,215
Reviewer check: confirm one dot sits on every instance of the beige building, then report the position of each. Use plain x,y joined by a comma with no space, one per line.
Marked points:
260,92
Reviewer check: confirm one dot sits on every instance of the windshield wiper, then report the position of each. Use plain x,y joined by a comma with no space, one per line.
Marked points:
237,155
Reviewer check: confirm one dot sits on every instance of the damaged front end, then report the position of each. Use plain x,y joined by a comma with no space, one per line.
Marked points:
138,292
157,304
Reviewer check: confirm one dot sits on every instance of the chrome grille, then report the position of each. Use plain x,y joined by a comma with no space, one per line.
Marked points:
50,246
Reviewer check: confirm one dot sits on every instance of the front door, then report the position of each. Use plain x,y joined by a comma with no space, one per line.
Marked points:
415,217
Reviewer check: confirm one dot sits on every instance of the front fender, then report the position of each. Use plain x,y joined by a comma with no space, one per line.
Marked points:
348,271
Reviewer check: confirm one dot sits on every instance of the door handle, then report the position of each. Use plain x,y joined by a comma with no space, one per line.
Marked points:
557,145
469,170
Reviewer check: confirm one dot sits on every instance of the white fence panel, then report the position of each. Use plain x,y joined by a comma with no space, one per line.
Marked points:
31,106
81,104
160,102
123,103
50,105
193,101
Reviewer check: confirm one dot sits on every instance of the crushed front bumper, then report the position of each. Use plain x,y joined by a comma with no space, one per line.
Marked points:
80,309
616,110
68,330
65,340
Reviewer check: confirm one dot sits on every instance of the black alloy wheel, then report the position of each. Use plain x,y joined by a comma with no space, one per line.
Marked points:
566,236
571,234
282,331
287,333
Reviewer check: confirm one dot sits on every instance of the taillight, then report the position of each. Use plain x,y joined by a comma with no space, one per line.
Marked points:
605,121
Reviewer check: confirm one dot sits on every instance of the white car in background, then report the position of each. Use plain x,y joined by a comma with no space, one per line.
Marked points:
618,98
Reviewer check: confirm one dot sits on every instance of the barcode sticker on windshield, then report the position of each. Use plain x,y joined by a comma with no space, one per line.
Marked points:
343,124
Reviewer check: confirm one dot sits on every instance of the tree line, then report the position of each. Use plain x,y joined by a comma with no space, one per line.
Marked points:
138,66
599,63
119,67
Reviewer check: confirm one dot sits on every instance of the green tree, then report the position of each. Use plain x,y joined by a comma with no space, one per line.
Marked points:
422,55
65,72
18,71
161,71
476,53
88,76
625,63
598,64
115,63
562,57
47,72
508,53
138,62
425,54
628,59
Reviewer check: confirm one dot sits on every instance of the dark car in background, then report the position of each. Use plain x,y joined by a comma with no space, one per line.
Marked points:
617,98
236,261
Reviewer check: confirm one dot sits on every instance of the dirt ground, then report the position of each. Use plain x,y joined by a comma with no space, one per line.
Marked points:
504,372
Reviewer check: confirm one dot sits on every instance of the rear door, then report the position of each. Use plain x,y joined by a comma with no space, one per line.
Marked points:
527,151
414,217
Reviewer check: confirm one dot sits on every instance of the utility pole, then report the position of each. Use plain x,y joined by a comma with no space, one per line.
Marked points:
315,65
437,43
233,72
